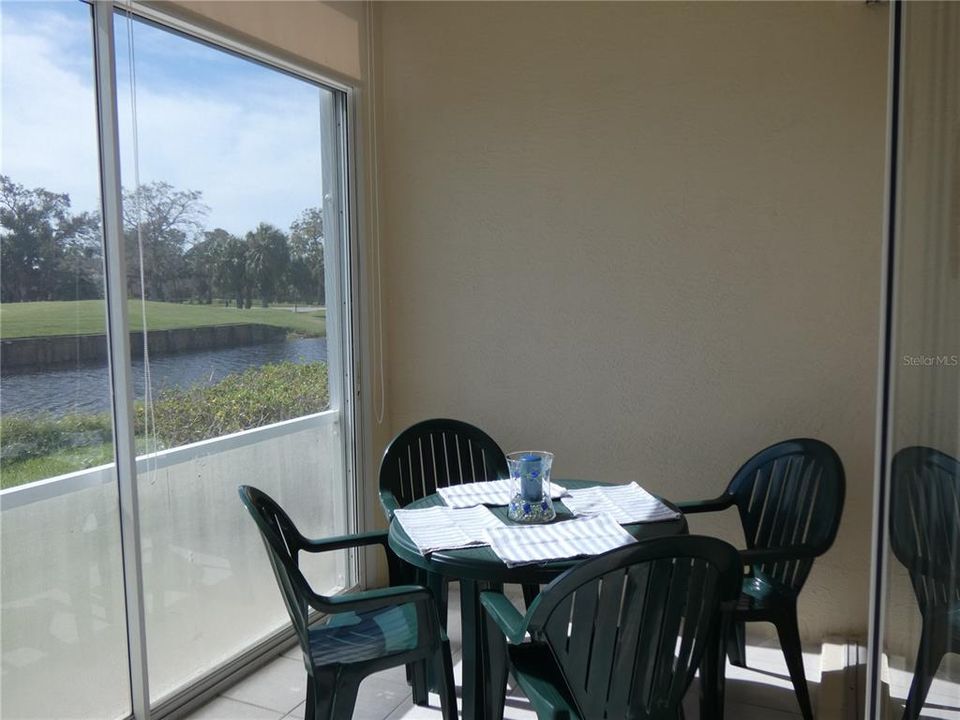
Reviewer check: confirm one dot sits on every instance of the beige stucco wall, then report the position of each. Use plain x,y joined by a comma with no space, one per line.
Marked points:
644,236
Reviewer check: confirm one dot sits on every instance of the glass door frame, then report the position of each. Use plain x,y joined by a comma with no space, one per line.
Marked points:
339,186
885,380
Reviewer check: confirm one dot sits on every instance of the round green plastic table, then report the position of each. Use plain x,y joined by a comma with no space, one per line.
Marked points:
479,568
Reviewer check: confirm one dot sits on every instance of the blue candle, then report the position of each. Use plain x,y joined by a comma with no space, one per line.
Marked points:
531,477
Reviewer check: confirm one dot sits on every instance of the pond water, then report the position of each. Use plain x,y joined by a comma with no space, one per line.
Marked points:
85,388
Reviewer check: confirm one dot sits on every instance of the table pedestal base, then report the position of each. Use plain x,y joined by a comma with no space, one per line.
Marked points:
484,656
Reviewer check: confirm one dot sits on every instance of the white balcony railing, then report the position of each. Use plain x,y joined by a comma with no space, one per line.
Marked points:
209,591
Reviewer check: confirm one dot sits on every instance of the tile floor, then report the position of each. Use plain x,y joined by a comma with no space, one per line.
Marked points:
943,699
277,691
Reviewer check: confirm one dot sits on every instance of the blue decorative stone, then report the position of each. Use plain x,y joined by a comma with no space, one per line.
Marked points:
522,511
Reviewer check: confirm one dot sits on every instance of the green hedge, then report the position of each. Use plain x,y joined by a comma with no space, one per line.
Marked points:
241,401
24,438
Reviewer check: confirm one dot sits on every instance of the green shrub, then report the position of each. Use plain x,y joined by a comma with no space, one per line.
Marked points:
242,401
24,438
34,444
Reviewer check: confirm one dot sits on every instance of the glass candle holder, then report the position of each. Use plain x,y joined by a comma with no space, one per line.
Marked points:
530,475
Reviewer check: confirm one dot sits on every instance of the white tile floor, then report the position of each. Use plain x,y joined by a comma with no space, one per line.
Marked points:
762,692
943,699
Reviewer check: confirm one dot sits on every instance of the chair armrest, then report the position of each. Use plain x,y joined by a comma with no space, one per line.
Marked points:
342,542
389,503
701,506
505,615
789,552
366,600
374,537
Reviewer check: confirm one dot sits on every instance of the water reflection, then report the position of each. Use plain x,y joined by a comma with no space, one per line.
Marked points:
82,389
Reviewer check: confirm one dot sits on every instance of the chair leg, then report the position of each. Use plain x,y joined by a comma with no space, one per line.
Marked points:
933,641
495,662
345,699
418,682
322,692
309,707
789,635
530,593
448,691
712,675
737,644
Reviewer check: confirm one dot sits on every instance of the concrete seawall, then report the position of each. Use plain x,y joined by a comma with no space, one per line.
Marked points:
37,353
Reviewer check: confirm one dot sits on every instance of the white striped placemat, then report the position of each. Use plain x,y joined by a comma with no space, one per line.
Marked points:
443,528
490,492
624,503
525,544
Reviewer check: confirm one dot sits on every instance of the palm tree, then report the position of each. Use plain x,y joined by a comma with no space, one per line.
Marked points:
267,258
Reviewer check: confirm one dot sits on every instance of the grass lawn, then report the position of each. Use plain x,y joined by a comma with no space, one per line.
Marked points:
88,317
56,463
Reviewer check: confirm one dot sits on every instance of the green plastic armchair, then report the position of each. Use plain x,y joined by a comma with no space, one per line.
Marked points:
790,499
433,454
365,632
622,634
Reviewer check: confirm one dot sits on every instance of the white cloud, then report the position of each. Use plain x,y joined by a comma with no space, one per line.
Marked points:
48,107
248,139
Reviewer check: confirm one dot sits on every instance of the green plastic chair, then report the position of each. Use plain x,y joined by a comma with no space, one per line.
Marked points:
621,635
925,538
439,453
436,453
366,631
790,499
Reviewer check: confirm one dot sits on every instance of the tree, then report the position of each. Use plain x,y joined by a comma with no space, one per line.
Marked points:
46,252
167,221
203,261
306,276
232,278
268,256
82,261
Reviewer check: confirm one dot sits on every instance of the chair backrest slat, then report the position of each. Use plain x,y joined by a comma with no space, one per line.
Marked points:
652,622
628,628
791,493
696,615
620,691
925,523
603,645
438,453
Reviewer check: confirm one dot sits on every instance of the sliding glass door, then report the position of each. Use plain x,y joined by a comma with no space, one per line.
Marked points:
230,262
62,622
916,633
232,231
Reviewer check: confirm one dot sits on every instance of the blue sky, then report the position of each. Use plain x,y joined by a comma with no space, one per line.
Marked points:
247,136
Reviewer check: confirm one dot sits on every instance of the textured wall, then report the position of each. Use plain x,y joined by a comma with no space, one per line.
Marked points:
644,236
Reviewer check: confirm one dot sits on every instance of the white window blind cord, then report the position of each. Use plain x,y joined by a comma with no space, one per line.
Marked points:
374,165
149,417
